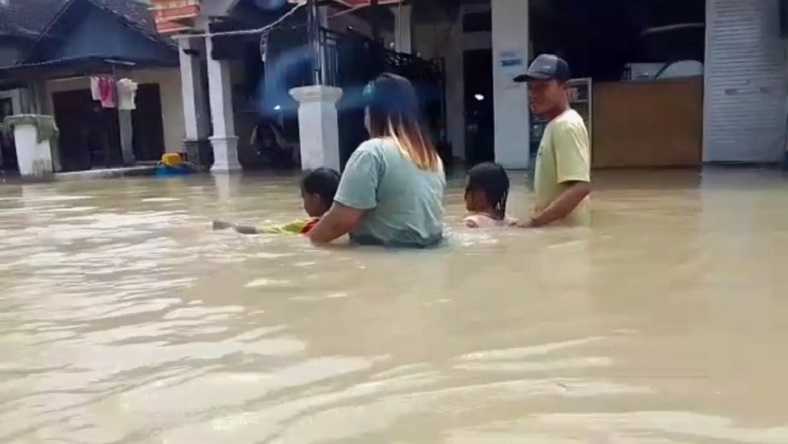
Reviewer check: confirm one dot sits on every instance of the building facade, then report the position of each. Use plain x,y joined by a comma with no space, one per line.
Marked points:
745,82
51,49
744,79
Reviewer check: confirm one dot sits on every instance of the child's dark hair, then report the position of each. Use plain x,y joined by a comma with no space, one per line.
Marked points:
323,182
491,179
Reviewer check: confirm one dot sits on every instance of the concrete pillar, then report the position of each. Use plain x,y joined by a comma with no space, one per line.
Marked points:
33,156
403,31
224,141
126,130
41,105
195,100
318,126
510,57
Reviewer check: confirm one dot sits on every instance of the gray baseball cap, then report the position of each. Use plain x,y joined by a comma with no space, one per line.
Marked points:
546,67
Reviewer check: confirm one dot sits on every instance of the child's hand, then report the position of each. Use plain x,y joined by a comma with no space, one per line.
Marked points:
221,225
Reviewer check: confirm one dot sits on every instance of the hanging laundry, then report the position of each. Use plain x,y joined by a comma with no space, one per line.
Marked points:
127,94
95,91
107,92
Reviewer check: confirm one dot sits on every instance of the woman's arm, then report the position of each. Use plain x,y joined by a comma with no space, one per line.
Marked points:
339,221
357,194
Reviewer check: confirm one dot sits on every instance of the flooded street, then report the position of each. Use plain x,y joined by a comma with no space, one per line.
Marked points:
125,319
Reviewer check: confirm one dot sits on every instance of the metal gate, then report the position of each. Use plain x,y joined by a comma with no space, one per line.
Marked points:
745,82
353,60
349,62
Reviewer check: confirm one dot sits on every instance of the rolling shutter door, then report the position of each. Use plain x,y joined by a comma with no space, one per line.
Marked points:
745,82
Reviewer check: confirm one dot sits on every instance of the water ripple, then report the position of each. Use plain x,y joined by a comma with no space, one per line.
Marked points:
125,319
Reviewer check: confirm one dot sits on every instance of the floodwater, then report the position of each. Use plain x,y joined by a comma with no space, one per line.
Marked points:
125,319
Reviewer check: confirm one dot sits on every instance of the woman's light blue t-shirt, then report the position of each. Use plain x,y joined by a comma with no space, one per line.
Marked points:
404,204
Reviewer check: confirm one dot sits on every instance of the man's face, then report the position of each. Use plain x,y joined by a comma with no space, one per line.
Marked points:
545,95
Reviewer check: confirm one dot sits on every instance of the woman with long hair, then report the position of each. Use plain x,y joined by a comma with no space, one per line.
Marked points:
391,192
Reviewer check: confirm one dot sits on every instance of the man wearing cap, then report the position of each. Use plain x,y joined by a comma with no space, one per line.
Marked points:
562,174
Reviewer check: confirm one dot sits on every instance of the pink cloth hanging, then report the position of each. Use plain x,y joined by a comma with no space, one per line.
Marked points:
107,92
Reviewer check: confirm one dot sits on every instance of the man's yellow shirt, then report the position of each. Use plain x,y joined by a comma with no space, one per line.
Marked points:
564,157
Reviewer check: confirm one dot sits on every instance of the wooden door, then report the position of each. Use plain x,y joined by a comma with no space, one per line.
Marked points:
89,134
147,124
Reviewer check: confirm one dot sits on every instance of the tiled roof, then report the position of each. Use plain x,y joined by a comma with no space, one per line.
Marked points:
32,17
133,13
28,18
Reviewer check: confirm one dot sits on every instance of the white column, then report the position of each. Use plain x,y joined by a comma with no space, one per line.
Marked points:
195,100
318,126
42,106
126,131
34,157
403,32
510,56
224,141
195,105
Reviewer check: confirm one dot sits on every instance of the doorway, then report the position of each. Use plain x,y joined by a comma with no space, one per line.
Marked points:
479,112
147,124
90,134
7,147
9,105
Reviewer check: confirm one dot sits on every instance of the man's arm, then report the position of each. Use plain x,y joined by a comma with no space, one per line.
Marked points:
563,206
573,165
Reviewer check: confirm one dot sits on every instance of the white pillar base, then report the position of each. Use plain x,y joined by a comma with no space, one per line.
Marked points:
225,155
33,157
318,126
224,140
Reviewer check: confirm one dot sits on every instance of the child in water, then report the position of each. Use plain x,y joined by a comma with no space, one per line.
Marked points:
318,188
486,191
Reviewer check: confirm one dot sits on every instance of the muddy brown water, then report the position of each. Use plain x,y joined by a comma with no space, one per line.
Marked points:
125,319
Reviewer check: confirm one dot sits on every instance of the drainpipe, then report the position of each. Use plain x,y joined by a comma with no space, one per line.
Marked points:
313,39
375,22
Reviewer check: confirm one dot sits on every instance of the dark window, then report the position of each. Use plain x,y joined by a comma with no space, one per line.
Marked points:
477,22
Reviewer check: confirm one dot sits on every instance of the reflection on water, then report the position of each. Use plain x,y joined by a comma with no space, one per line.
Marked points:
124,319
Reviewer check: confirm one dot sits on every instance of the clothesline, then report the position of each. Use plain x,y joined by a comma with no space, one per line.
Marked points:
120,94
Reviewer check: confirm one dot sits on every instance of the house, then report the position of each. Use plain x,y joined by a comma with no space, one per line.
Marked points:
221,46
732,111
51,48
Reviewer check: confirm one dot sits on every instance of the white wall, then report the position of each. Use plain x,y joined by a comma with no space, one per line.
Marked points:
169,82
510,35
